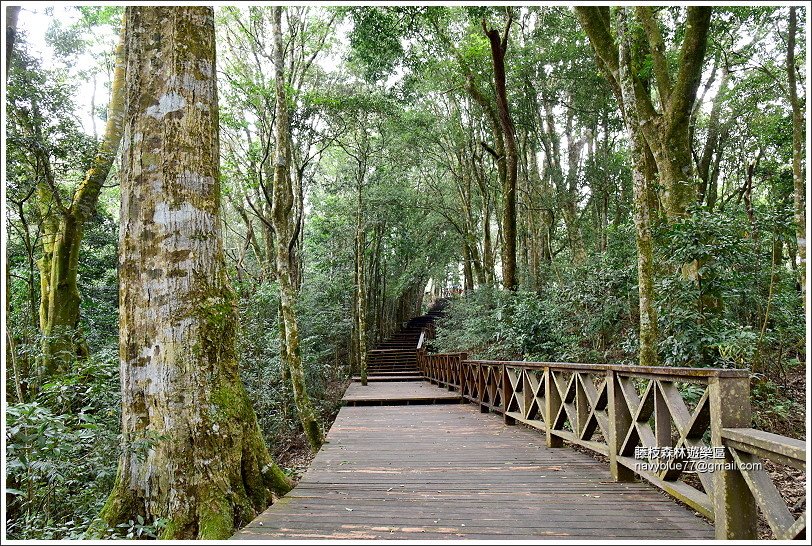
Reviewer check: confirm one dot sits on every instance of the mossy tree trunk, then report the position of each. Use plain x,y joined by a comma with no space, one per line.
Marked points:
641,177
666,128
615,60
667,131
62,239
799,180
285,226
192,452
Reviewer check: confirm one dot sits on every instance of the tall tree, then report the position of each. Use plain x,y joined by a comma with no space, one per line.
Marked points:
641,178
499,44
60,297
192,453
797,149
616,63
286,230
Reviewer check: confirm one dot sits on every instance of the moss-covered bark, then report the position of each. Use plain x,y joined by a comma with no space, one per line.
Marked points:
799,181
641,178
192,452
64,230
667,128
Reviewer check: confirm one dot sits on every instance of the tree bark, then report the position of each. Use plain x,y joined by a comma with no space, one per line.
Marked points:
799,182
286,234
642,217
569,193
498,49
192,452
713,140
667,132
12,13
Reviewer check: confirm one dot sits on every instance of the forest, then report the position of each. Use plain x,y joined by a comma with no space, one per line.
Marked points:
212,215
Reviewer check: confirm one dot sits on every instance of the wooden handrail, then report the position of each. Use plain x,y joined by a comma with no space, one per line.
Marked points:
658,423
625,368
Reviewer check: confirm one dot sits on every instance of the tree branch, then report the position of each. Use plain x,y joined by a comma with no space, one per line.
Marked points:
655,39
692,57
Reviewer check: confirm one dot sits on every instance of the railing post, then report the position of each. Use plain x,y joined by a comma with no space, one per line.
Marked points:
619,422
734,507
452,363
552,401
507,394
463,358
481,386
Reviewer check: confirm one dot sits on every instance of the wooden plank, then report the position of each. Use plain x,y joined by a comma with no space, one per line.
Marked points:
398,392
449,472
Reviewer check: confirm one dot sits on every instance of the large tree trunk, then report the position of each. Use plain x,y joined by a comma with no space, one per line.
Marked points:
59,311
498,50
797,152
669,133
284,225
667,130
192,452
641,174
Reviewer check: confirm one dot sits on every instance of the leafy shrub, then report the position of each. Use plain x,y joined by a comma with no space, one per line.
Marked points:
61,465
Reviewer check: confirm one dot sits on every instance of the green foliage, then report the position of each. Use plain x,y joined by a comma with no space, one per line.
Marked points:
716,320
60,452
588,313
375,41
579,315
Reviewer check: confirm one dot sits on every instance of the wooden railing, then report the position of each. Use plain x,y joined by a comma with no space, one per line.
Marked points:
685,430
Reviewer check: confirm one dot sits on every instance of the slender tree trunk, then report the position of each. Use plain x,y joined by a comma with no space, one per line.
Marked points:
192,452
713,140
642,221
284,368
797,152
361,297
282,212
570,195
467,271
498,50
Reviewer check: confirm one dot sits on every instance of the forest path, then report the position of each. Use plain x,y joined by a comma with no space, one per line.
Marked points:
450,472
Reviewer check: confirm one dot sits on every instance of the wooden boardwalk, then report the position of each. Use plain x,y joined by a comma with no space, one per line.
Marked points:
398,393
450,472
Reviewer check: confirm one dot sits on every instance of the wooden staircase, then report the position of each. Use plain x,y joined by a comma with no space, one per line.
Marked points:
396,358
